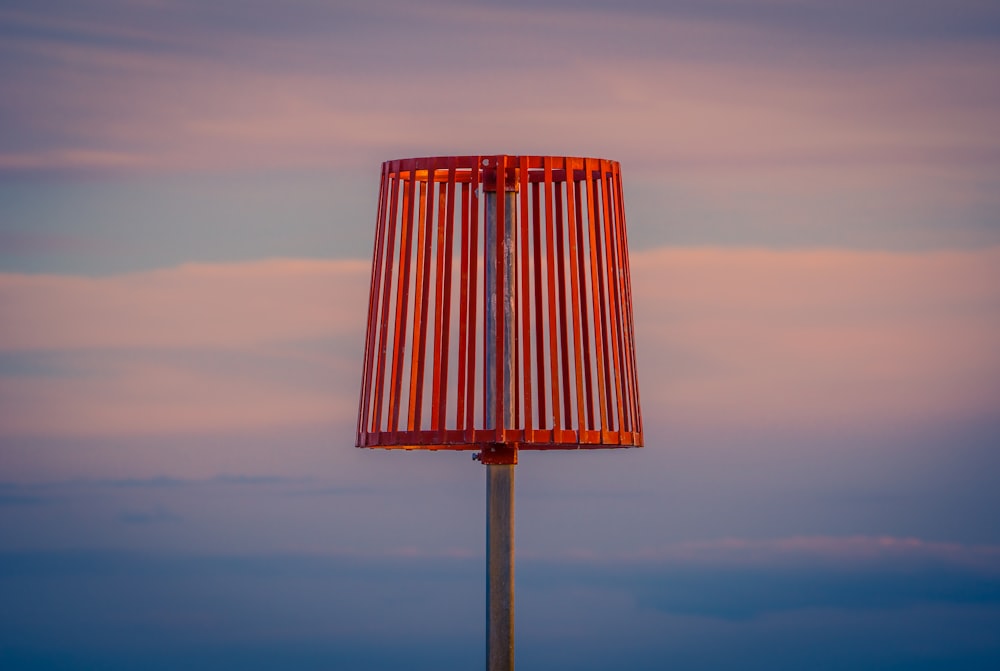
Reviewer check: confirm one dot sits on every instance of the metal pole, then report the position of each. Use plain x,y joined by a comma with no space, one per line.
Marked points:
500,567
499,477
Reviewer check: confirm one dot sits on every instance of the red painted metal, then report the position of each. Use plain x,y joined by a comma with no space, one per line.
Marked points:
573,351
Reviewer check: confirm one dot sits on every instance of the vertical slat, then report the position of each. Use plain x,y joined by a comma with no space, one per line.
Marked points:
424,245
402,300
611,266
524,296
442,300
383,335
631,318
575,288
597,294
448,291
463,312
563,317
626,283
621,315
500,312
473,250
373,300
438,310
553,305
536,221
580,294
490,326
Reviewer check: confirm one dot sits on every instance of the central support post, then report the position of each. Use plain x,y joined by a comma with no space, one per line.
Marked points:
500,567
499,459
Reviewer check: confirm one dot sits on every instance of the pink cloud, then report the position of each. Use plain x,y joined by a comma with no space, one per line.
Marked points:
257,311
822,337
194,305
725,337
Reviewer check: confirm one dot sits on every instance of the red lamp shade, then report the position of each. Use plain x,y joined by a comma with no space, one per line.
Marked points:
515,334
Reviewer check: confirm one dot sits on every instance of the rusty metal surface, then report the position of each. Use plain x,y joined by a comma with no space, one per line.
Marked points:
560,327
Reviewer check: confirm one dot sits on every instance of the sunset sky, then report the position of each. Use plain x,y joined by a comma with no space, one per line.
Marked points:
187,199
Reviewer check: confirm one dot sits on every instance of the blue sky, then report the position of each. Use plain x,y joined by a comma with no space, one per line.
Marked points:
187,195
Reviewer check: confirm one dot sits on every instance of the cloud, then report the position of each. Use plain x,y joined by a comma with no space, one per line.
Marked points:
739,579
725,337
743,588
195,305
196,347
686,87
767,122
295,611
755,337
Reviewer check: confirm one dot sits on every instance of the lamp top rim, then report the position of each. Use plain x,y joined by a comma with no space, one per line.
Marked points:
477,160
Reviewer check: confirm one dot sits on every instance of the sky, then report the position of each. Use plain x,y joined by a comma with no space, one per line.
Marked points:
188,194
